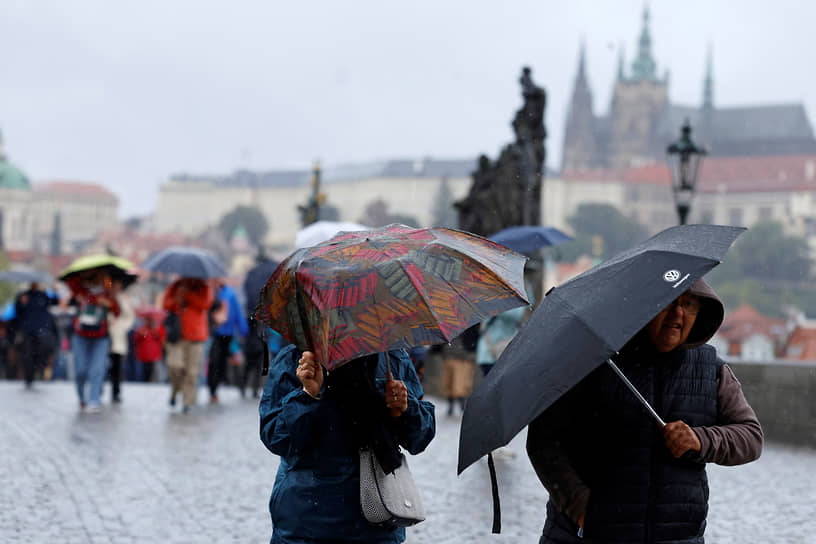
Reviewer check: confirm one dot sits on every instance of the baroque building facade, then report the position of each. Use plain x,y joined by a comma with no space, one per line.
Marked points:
189,204
33,217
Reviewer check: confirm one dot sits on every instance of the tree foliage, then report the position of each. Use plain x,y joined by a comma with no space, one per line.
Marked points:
249,217
768,270
328,212
443,214
376,214
600,230
7,289
767,254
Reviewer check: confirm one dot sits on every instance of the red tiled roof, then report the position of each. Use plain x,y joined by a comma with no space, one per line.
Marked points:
733,174
801,345
74,187
745,321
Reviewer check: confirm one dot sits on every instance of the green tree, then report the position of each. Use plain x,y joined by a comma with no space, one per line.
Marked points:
328,212
376,214
600,230
7,289
768,270
767,254
249,217
443,214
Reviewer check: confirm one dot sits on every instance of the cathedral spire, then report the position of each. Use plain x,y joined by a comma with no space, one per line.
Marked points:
580,76
708,84
621,63
643,67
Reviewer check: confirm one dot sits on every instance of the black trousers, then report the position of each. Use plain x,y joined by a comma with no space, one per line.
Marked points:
252,372
115,373
219,355
34,352
147,371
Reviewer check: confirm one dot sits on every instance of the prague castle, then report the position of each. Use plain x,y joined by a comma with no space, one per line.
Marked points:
642,120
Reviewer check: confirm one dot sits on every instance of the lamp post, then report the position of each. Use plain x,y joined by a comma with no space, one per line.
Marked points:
684,158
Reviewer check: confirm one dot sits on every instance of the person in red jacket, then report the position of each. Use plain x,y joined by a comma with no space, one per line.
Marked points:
190,299
94,300
148,343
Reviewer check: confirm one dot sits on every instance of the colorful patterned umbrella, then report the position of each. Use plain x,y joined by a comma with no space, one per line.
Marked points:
394,287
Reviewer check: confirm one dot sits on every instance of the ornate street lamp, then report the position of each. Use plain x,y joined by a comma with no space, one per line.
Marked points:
684,168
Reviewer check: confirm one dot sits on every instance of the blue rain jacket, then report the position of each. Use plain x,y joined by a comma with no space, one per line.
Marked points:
235,316
316,496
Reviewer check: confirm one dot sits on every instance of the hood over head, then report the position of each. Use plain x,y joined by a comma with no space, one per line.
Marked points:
710,317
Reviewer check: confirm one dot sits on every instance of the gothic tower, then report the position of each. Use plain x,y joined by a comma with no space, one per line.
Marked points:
638,102
580,150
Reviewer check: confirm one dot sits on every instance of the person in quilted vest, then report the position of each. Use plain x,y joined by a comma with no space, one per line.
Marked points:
612,473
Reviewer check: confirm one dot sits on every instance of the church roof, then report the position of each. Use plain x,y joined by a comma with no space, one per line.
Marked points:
744,130
12,177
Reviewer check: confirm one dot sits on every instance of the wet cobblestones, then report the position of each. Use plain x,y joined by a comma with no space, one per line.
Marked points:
141,472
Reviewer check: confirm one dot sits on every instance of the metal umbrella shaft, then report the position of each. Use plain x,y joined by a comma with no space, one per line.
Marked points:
634,390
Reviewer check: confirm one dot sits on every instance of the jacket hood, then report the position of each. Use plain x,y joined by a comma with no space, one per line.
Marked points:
710,317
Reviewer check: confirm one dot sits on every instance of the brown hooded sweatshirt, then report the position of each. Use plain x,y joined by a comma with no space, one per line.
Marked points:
736,439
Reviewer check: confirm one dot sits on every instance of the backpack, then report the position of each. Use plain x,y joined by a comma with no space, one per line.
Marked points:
172,326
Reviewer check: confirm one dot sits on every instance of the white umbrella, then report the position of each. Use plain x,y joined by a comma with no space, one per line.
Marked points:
321,231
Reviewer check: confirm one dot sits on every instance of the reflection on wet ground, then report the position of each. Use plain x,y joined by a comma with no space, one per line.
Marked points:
140,472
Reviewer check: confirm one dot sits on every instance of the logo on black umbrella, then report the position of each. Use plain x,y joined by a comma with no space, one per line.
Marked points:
671,276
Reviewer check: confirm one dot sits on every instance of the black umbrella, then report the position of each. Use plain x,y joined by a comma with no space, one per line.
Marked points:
579,325
255,280
25,275
187,262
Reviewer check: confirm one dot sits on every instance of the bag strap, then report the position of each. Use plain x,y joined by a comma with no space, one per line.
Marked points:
494,488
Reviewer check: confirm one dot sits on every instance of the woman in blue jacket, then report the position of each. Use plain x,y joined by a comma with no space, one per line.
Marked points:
317,427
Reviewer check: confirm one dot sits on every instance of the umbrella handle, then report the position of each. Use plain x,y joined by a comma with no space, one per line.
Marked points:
634,390
393,412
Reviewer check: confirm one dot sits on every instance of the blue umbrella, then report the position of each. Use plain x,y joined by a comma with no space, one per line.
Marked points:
528,238
187,262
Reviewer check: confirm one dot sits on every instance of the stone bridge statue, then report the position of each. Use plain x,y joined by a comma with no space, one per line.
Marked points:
507,192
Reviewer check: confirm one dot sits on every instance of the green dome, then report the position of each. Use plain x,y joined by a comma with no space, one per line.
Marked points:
12,177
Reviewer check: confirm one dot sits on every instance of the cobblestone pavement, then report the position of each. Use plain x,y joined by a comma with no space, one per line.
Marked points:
141,472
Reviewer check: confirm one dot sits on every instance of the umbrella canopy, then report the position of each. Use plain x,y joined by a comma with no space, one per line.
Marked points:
187,262
99,260
255,280
320,231
528,238
579,325
25,275
366,292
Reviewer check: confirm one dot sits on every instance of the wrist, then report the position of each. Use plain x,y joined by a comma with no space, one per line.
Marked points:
315,397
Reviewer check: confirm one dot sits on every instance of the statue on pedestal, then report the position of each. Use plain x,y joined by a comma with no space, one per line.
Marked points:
507,192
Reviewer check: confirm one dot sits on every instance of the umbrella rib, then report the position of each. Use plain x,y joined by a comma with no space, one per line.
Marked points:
422,296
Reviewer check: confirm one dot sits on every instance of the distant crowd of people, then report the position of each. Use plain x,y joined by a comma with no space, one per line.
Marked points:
200,332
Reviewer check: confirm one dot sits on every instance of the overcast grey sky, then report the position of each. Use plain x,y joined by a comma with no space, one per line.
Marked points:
127,93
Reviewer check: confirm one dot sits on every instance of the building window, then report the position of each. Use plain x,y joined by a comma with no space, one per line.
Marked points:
735,217
707,216
765,213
